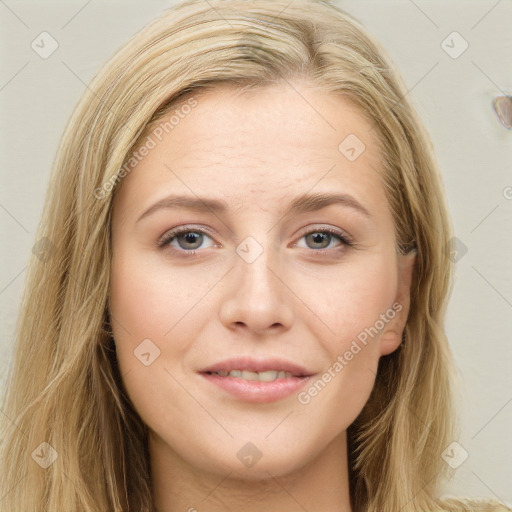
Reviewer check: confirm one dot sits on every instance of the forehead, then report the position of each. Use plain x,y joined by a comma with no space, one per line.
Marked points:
262,142
277,117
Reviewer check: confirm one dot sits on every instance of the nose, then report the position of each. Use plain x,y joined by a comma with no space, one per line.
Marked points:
257,296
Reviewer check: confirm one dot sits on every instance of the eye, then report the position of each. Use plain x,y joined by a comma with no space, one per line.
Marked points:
188,240
321,239
184,238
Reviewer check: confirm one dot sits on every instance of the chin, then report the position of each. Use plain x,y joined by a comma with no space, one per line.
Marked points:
254,462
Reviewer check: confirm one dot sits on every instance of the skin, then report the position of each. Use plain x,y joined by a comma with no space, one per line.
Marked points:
257,150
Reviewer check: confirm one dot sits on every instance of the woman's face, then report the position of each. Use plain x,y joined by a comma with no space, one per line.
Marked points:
256,283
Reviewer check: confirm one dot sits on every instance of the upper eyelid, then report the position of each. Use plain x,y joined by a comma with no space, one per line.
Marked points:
342,234
183,229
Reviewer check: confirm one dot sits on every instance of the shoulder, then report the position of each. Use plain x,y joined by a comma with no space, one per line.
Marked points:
463,504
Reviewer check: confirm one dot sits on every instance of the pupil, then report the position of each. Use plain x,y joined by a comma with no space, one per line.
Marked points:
318,238
191,238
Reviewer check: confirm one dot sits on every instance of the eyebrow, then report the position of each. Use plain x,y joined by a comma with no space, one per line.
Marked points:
302,204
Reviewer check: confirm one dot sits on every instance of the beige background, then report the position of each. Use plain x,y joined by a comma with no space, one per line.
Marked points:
453,95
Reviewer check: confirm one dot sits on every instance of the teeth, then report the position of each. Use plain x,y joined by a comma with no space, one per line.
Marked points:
249,375
266,376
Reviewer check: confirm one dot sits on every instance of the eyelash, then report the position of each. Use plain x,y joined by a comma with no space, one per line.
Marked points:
170,235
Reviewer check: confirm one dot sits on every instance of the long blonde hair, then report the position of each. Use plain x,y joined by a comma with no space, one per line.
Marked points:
65,388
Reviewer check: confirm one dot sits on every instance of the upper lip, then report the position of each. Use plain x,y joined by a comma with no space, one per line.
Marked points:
252,364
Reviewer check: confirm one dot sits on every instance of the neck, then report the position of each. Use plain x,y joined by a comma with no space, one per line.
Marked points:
321,484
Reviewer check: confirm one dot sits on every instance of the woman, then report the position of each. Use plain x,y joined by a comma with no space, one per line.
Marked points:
258,369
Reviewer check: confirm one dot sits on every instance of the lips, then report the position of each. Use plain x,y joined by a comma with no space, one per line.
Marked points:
253,380
266,376
248,366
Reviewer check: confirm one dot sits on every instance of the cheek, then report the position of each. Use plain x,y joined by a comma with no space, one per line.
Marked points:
135,302
149,300
148,308
354,310
139,312
350,298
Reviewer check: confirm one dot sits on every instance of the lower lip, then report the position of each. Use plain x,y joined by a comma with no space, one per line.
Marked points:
257,391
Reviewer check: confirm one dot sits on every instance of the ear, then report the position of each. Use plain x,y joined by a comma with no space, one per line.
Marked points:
391,338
